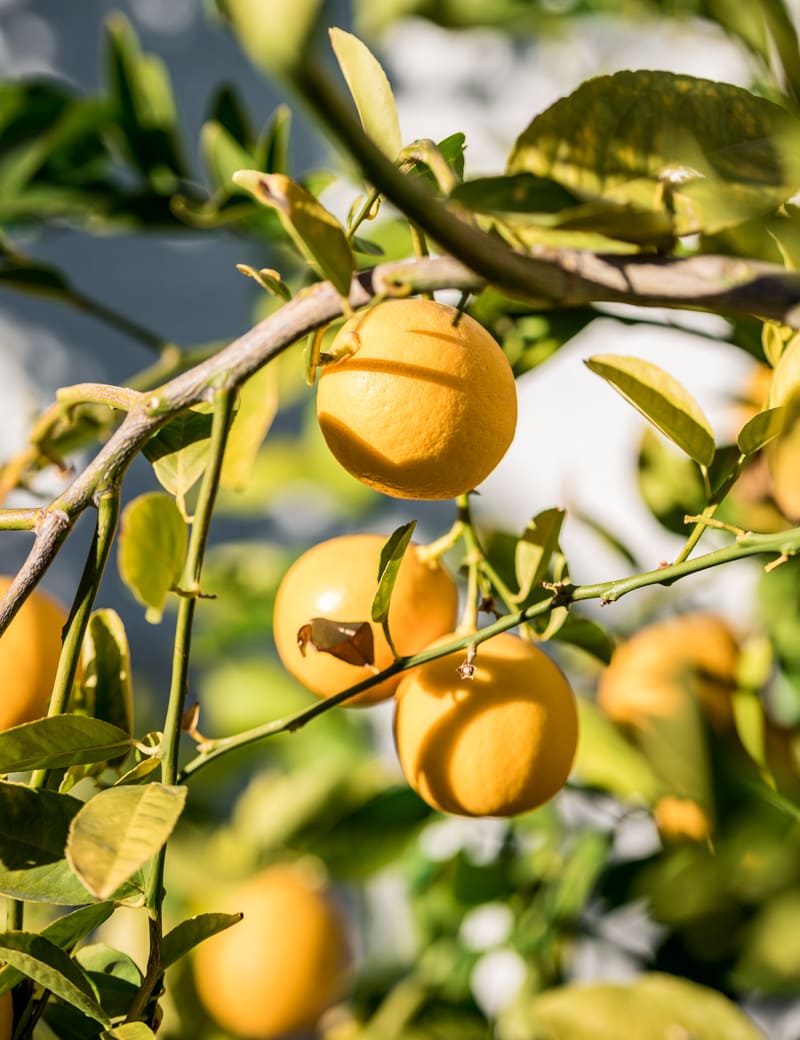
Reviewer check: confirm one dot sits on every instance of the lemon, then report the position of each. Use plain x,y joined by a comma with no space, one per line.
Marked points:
337,580
425,407
497,744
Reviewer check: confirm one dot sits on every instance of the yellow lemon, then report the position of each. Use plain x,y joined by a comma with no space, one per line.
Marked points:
497,744
425,407
29,652
277,970
337,580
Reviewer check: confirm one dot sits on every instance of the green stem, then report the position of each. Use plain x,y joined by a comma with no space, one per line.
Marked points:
363,213
715,501
782,544
179,684
18,519
75,629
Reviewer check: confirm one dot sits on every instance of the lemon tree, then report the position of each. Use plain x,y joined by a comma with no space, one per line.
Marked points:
208,848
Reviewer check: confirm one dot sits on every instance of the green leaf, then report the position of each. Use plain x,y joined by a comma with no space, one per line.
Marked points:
661,399
106,671
272,152
118,831
670,484
60,741
47,964
607,761
274,35
227,109
370,90
652,1007
588,635
760,430
392,553
707,155
258,406
128,1031
188,934
748,717
534,549
520,193
142,92
151,550
35,278
33,835
222,155
318,235
179,452
66,931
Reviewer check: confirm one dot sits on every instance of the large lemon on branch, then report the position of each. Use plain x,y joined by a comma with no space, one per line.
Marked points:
421,402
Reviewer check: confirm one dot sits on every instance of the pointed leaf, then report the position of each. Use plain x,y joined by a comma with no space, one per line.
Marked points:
190,933
317,233
106,672
760,430
350,641
222,155
272,153
152,548
534,549
661,399
179,452
66,931
118,831
607,761
258,406
371,91
786,376
274,35
60,741
45,963
392,553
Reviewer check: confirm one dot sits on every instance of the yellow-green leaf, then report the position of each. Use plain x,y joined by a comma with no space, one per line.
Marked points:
107,669
179,452
786,377
258,406
760,430
274,34
660,398
222,154
534,549
370,89
151,549
317,233
118,831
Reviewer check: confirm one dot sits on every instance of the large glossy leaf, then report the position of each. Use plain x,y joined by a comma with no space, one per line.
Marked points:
106,672
274,35
179,451
118,831
370,89
652,1007
58,742
188,934
47,964
317,233
64,932
151,549
708,154
661,399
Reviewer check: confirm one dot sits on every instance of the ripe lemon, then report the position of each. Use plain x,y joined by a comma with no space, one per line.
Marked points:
426,406
277,970
6,1017
337,580
497,744
29,652
650,674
